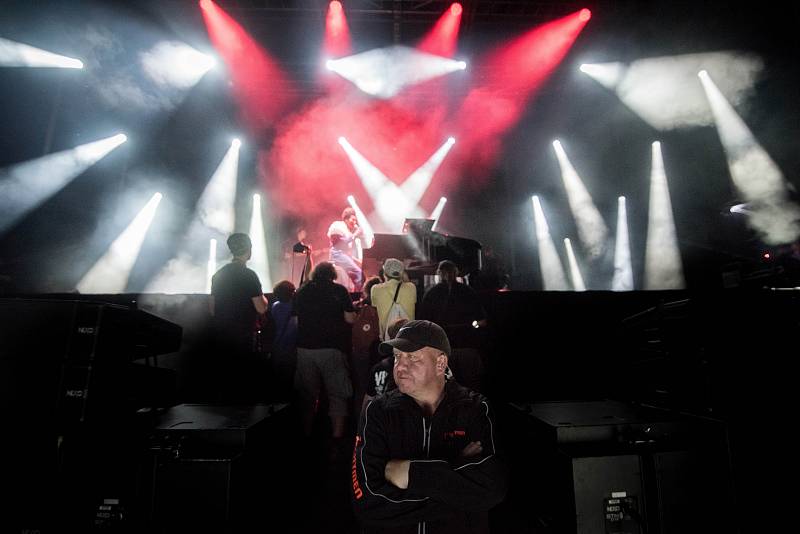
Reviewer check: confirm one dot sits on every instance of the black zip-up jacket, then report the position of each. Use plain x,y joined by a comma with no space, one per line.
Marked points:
446,492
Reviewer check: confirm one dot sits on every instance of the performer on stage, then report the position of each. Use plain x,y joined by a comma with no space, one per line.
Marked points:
342,235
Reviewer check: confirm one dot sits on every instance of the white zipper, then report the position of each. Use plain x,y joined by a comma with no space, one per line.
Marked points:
426,446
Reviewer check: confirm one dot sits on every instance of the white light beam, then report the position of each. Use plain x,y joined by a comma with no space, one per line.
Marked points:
214,218
111,272
553,277
759,180
13,54
211,268
260,258
575,273
436,214
384,72
662,267
592,230
623,270
391,205
25,186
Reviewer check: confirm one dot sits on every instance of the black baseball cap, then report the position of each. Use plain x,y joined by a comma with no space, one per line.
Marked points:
417,334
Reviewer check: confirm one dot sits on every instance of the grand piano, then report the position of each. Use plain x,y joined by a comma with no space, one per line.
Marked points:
422,249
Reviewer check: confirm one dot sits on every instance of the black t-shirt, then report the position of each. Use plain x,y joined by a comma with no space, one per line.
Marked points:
454,308
233,288
381,377
320,308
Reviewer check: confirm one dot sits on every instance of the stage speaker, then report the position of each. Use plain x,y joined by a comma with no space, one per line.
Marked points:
65,402
216,468
200,493
608,493
32,346
611,468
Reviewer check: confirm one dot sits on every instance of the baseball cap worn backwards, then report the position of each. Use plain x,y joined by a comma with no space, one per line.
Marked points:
393,268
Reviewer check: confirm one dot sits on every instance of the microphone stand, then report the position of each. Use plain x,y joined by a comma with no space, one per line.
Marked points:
306,265
299,248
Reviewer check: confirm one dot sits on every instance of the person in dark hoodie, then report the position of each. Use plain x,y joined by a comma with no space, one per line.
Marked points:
425,458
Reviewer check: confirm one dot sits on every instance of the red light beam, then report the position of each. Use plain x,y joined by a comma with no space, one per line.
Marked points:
442,40
337,33
515,72
262,89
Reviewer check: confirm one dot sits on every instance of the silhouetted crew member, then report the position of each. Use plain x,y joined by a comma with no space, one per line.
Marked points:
237,304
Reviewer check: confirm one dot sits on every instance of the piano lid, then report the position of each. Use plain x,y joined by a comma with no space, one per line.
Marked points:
400,246
428,248
418,226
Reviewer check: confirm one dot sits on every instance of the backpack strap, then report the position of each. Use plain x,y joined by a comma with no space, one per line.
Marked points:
394,301
399,283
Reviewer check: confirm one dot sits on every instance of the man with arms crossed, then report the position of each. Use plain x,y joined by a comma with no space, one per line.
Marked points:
425,458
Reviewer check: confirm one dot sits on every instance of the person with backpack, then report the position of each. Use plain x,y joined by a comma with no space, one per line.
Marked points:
394,299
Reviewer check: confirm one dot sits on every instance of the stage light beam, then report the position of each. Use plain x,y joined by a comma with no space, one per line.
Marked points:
664,91
25,186
663,267
262,89
111,272
740,208
519,68
623,270
436,214
442,39
175,64
337,32
553,277
592,230
756,176
417,183
385,72
393,203
13,54
214,218
211,267
260,258
215,208
575,273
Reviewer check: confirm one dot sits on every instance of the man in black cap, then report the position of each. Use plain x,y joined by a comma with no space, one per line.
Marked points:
425,458
237,304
